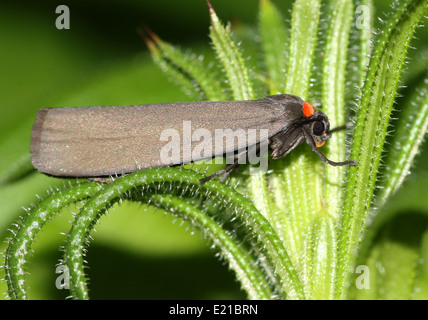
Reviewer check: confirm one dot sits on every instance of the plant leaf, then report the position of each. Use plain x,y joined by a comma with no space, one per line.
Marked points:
188,69
253,281
170,180
237,72
302,183
372,122
20,244
177,75
333,98
409,134
274,36
320,259
393,251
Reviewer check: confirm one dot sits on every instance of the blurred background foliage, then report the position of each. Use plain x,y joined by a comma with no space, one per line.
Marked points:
101,60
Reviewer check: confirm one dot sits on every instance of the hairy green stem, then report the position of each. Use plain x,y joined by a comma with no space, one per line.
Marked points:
253,281
20,244
373,119
163,179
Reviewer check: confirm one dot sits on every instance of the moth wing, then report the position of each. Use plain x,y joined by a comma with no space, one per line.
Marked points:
101,141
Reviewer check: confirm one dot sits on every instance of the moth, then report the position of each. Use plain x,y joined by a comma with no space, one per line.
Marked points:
104,141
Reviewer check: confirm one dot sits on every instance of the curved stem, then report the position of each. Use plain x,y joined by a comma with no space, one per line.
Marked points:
20,245
249,275
165,180
373,120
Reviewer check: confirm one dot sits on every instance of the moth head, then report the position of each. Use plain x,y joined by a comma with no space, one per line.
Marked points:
318,125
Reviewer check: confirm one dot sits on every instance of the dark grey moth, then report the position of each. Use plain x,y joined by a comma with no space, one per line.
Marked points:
104,141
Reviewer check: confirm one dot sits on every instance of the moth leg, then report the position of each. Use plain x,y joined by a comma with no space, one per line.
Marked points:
102,180
226,171
314,148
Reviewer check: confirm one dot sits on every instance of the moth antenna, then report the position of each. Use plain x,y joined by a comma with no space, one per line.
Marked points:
343,127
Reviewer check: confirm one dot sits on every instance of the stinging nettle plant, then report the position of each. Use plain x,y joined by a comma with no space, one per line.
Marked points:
296,231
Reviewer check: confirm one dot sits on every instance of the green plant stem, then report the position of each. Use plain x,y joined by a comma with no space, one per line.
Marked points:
164,179
372,123
274,37
333,99
302,182
20,245
319,268
234,66
187,69
365,38
253,281
17,171
409,134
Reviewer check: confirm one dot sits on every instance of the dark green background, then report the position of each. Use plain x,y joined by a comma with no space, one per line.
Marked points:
101,60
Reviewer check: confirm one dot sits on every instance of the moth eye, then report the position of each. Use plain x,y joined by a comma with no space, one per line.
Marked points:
318,128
